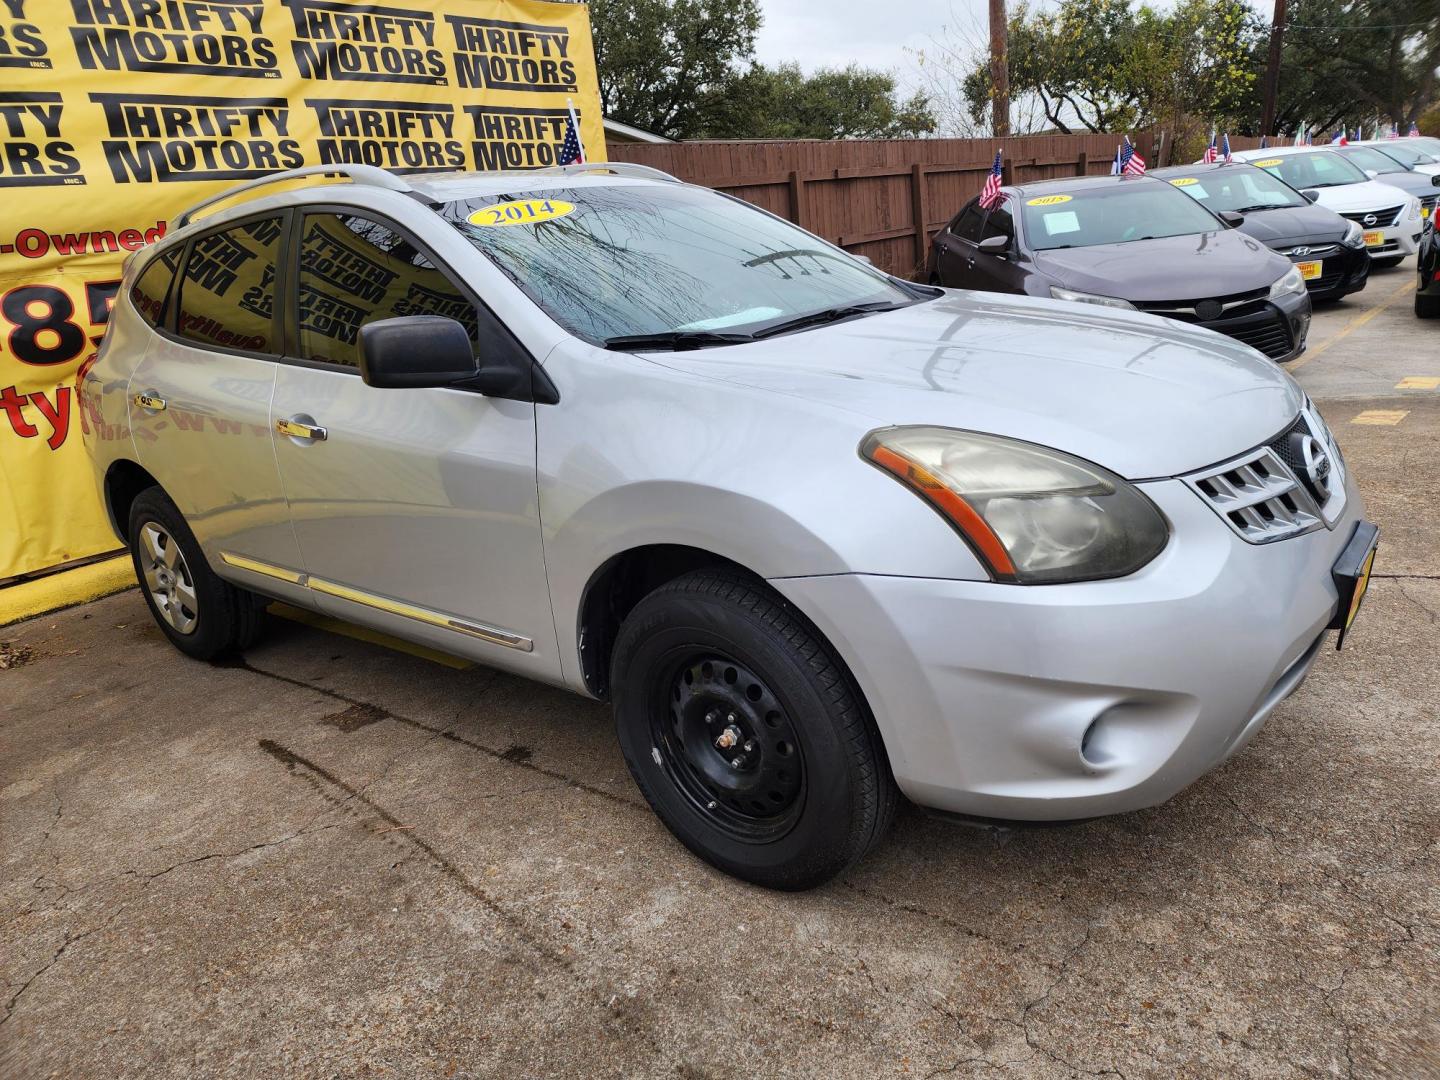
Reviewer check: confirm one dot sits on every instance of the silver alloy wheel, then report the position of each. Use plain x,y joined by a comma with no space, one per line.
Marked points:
168,578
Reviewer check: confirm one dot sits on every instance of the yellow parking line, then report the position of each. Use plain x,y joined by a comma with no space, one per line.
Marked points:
1419,382
1381,417
65,589
1353,325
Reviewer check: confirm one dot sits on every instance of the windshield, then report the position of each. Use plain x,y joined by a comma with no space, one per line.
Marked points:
1407,155
616,261
1239,188
1320,169
1114,214
1374,160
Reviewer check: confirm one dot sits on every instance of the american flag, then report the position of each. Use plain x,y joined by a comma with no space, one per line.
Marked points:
1225,147
992,196
1131,163
570,150
1211,151
1414,131
1394,132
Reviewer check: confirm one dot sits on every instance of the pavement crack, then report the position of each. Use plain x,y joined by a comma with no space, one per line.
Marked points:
944,920
65,946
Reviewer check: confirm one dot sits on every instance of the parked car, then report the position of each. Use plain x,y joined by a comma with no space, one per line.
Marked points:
1391,219
1427,263
1379,165
818,534
1128,242
1328,250
1408,154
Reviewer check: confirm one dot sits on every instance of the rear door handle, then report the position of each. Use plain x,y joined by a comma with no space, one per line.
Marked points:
153,402
299,429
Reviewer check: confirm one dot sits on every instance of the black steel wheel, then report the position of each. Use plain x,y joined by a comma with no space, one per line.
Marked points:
746,734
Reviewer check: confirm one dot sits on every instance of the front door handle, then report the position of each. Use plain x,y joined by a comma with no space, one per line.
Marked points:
298,429
153,402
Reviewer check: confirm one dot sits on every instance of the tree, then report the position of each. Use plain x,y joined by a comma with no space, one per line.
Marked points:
784,103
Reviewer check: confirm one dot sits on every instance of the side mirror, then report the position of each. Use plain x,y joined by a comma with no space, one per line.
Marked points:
1310,195
994,245
414,351
1232,219
1372,173
1435,180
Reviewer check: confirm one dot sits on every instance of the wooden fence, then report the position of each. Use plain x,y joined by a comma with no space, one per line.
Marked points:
883,199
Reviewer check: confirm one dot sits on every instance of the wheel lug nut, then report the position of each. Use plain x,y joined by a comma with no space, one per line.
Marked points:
749,745
736,762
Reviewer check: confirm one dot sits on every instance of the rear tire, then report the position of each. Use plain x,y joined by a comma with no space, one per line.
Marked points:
203,615
712,669
1427,307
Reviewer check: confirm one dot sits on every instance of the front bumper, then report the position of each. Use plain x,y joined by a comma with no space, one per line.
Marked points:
1277,328
1058,702
1343,271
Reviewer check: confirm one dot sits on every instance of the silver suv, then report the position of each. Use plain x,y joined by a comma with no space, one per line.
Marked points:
821,536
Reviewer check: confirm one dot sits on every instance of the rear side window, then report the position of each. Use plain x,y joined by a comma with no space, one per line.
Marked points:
354,271
151,292
227,292
967,226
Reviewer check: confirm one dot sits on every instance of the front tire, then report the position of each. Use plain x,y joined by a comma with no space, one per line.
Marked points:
203,615
745,733
1427,307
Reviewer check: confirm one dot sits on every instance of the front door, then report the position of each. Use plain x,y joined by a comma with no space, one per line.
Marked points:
415,509
200,397
959,262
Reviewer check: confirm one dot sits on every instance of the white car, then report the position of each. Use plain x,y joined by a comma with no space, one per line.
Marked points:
1391,219
1419,159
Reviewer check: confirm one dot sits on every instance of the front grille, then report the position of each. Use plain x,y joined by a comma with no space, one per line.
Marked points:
1328,279
1272,336
1310,254
1236,304
1260,494
1383,219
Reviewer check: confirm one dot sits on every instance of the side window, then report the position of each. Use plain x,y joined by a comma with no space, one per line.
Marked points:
354,271
997,224
967,225
227,292
151,292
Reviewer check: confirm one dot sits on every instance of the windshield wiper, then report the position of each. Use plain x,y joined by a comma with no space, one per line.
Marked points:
678,340
827,315
1261,206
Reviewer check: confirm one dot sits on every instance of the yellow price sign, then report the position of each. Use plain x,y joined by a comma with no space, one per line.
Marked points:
520,212
1048,200
1268,163
1184,181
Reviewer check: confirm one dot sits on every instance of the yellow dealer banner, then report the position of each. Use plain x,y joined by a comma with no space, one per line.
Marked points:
117,114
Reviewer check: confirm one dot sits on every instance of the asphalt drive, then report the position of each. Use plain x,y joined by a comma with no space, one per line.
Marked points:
336,859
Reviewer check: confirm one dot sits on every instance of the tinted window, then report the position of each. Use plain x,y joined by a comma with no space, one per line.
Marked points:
1370,159
227,293
967,225
1239,188
1406,154
1111,214
354,271
611,260
1315,170
996,223
151,292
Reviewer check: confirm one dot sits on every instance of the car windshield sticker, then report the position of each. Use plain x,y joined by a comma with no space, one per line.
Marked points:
1063,221
1047,200
1192,186
520,212
1268,163
1184,181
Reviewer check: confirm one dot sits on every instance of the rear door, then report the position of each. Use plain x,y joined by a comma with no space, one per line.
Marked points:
961,263
416,510
200,398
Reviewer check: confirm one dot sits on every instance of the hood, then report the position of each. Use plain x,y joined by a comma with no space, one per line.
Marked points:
1371,195
1141,395
1289,225
1194,267
1412,183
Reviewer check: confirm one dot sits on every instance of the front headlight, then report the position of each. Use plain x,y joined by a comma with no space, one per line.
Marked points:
1292,283
1413,209
1089,298
1033,515
1354,235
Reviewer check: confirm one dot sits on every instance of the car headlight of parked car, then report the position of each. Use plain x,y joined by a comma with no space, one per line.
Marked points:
1412,209
1291,284
1089,298
1032,514
1354,235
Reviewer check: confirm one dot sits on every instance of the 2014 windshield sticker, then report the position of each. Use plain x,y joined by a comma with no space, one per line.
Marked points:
1048,200
520,212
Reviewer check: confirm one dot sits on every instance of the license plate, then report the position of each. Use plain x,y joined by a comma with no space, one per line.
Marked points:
1424,212
1351,574
1374,239
1309,270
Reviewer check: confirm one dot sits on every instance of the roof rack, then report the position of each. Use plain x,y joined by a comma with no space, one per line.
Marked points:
366,175
617,168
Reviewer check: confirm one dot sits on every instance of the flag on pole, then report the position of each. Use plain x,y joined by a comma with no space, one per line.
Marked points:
1225,148
572,150
1264,142
1414,131
992,196
1394,132
1300,135
1339,139
1211,151
1131,163
1115,163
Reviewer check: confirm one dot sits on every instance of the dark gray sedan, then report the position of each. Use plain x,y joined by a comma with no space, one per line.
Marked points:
1128,242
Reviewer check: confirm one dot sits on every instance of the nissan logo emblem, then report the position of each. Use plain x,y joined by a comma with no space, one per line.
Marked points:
1317,466
1370,219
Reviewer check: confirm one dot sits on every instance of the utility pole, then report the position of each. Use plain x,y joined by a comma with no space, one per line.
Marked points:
1000,69
1272,70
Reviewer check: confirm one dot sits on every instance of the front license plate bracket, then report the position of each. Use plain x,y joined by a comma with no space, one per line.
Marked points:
1351,574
